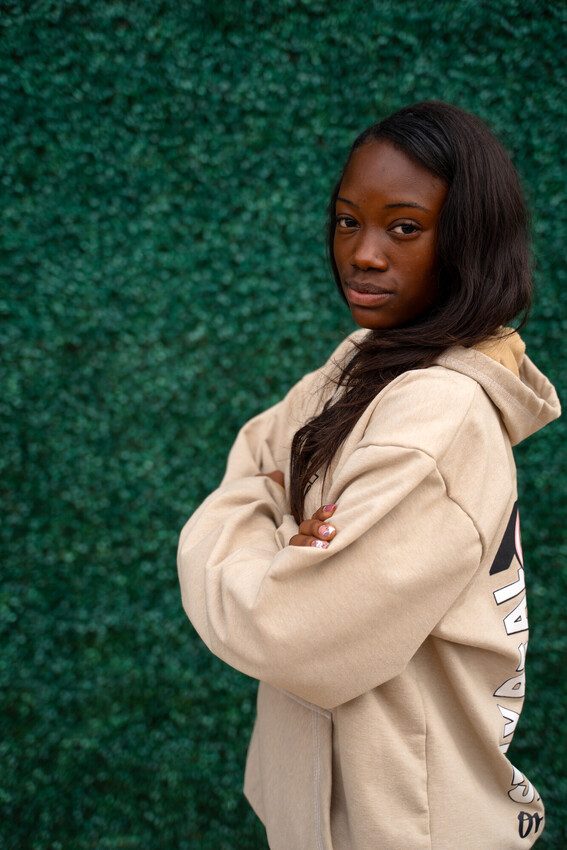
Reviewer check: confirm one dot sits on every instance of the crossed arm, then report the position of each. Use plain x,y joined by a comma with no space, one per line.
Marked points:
404,552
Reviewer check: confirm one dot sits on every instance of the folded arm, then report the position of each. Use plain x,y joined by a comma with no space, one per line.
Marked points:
328,624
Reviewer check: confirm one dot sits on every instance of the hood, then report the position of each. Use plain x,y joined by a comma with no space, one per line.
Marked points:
526,399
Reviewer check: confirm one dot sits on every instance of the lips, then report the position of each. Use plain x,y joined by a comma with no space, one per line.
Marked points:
370,288
366,294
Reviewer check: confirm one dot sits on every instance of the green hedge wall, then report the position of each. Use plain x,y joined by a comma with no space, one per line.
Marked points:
166,167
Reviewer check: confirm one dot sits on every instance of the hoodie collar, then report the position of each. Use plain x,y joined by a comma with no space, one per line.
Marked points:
525,398
506,347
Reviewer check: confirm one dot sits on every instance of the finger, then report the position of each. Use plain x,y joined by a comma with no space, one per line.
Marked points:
307,540
324,512
315,528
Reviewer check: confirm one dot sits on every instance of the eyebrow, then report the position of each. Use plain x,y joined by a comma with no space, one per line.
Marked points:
388,206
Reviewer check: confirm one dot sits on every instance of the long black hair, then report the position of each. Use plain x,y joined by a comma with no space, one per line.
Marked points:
483,260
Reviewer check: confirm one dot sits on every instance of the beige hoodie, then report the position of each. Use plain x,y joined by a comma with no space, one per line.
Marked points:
392,664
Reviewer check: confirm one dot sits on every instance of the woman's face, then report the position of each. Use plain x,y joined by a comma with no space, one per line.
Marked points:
385,236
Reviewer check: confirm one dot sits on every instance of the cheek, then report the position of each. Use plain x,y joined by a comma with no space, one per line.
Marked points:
413,266
420,264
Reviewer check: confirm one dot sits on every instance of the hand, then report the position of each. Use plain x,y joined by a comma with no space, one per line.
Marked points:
315,531
276,476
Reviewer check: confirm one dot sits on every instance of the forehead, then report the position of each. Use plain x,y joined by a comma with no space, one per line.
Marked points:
379,170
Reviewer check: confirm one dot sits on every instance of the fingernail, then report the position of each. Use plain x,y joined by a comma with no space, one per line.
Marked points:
319,544
328,508
326,530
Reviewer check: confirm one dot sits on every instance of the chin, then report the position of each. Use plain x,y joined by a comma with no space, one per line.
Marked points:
376,319
371,320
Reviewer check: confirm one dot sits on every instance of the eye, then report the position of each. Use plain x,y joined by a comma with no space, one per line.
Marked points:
344,218
408,228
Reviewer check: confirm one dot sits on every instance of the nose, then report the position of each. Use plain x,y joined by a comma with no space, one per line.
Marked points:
368,252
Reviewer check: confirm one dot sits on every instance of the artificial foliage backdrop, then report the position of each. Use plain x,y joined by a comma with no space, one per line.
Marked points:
166,169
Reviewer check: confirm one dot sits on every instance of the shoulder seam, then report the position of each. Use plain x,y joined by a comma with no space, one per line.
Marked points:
436,460
441,476
466,513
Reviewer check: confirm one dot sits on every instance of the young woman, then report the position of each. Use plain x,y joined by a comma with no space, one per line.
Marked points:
361,556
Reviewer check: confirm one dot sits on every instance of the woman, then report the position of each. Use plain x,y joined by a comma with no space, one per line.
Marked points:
390,643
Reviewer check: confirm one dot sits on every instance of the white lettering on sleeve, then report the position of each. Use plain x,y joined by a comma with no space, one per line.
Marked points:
510,590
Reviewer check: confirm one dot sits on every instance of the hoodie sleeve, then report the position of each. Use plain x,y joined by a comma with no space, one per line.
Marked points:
262,444
330,624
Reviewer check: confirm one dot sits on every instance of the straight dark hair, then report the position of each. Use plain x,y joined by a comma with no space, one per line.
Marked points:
484,267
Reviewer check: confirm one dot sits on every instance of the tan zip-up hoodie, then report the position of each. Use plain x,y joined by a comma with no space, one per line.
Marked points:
392,664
